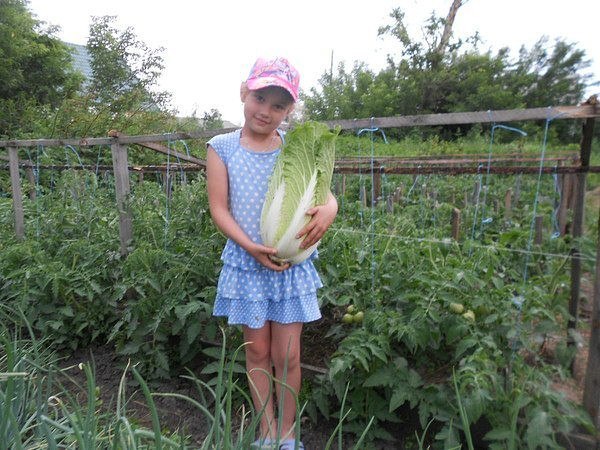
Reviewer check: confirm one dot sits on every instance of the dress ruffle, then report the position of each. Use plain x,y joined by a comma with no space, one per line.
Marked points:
264,284
255,314
252,297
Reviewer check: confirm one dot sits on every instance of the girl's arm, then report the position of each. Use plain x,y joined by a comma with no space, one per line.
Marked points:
322,218
218,200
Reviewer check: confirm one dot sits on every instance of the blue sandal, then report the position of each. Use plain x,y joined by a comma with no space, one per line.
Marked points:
290,444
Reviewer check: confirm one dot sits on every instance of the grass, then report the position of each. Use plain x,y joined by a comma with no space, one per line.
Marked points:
37,411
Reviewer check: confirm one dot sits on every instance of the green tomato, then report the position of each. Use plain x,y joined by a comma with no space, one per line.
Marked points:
469,315
348,318
457,308
359,316
350,309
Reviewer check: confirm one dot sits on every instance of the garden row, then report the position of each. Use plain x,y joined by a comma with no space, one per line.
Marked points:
453,333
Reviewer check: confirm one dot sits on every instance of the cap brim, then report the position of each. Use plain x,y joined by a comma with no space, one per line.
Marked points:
263,82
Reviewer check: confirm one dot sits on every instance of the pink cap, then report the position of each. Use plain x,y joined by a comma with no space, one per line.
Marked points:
274,72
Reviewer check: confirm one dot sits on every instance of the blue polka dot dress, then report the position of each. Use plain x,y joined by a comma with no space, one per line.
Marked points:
249,293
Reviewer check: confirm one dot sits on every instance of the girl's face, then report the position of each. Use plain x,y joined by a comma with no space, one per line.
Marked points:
265,109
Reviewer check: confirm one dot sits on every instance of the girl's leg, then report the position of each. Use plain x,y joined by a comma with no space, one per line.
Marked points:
285,353
258,365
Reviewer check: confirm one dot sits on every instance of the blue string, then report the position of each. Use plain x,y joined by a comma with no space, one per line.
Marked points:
557,202
518,299
167,192
70,147
536,199
485,220
414,182
371,130
476,212
98,161
361,190
187,150
36,178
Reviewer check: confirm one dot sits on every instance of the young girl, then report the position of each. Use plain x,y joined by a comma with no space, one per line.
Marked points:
270,301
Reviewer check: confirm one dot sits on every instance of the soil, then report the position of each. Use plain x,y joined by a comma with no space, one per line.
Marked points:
176,414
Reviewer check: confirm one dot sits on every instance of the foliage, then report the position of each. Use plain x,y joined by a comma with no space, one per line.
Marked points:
420,79
484,308
431,305
36,68
301,179
42,95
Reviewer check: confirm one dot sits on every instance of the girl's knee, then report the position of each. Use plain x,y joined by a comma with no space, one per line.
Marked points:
258,351
286,357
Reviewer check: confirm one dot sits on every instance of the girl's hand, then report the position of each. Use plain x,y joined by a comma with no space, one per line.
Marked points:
263,255
322,218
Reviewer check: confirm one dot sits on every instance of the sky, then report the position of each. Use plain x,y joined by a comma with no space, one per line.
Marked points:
210,46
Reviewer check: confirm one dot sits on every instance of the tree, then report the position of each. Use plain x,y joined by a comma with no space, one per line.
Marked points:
35,71
212,120
122,93
440,73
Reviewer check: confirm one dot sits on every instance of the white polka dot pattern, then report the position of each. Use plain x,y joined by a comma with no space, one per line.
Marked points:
249,293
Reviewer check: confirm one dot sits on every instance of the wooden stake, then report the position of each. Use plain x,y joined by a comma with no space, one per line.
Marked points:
538,225
363,196
376,190
456,224
390,205
122,190
508,204
517,195
31,179
578,210
591,392
476,190
566,188
15,182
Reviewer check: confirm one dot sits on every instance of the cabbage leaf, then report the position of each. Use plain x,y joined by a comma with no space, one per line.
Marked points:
300,180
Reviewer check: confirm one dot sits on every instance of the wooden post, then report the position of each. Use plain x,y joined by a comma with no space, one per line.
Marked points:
31,179
141,177
456,224
376,189
122,190
517,195
343,185
508,204
168,181
15,181
363,196
398,193
390,204
585,151
538,224
476,190
565,196
591,390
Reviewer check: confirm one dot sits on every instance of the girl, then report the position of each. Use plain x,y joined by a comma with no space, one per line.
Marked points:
270,301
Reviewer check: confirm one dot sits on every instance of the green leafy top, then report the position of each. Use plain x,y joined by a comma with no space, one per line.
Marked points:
301,179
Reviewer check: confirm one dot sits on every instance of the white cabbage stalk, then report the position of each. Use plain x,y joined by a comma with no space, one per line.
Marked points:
301,179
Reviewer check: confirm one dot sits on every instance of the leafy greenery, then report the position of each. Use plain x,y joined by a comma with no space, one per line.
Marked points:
400,269
36,69
421,79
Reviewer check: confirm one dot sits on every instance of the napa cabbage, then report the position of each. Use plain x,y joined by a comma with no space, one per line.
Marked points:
300,180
